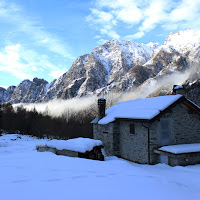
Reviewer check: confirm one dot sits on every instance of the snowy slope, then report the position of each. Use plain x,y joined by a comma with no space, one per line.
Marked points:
28,174
183,41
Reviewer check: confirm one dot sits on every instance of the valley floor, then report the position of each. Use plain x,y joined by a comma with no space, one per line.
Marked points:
28,174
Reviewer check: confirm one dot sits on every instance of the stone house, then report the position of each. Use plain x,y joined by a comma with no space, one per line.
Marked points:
164,129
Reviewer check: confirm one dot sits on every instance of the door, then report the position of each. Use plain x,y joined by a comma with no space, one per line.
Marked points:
165,129
164,159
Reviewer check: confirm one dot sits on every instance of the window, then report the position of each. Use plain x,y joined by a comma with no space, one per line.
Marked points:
132,128
165,131
105,132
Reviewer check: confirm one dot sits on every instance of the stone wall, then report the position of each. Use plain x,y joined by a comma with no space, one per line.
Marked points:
154,142
118,140
184,159
185,129
95,153
63,152
134,146
105,134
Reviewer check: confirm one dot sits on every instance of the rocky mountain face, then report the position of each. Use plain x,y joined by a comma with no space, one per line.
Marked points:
117,66
26,92
186,59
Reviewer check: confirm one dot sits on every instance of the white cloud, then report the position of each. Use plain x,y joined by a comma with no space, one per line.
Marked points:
56,74
135,36
24,63
105,20
110,33
10,62
187,10
97,36
15,15
3,86
100,17
131,15
144,16
154,14
101,41
44,41
34,68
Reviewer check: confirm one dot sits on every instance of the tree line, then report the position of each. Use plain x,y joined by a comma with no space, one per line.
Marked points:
31,122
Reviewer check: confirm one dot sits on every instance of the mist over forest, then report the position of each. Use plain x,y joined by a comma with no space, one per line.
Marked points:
60,107
71,118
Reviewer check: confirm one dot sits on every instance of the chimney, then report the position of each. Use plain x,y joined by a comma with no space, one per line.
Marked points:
101,107
178,89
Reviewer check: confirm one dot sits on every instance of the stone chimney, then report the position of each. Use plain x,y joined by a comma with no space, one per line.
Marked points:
178,89
101,107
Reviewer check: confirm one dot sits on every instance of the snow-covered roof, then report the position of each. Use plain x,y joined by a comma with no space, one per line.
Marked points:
181,148
146,108
78,144
95,120
178,87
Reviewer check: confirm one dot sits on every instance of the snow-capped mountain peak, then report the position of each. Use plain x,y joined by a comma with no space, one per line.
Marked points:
183,41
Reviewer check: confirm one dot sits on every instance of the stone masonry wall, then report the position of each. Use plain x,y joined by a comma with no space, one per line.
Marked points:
186,127
105,134
184,159
134,147
185,130
154,143
118,140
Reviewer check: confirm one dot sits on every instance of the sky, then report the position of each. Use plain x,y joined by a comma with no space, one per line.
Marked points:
42,38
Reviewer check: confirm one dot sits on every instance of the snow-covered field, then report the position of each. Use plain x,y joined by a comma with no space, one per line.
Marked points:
26,174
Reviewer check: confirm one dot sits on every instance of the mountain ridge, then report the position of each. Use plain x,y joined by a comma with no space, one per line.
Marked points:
117,65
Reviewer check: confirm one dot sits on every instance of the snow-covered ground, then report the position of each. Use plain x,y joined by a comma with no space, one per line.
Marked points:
28,174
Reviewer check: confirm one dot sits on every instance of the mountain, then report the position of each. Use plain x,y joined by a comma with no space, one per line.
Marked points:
181,52
119,65
27,91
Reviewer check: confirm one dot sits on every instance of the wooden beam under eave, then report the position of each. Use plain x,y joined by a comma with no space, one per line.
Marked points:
191,110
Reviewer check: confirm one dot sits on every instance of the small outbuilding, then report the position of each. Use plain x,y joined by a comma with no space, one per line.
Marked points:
77,147
142,130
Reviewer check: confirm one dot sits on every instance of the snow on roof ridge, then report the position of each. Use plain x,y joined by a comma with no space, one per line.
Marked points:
146,108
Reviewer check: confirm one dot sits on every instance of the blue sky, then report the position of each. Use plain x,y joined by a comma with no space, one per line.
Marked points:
42,38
